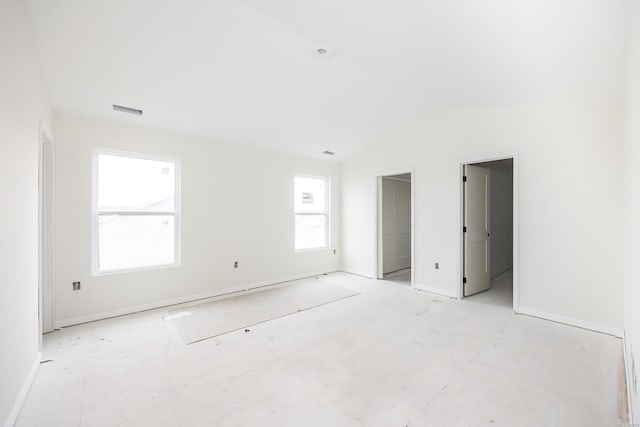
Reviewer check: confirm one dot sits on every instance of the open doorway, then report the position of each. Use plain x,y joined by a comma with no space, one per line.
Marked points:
489,248
395,231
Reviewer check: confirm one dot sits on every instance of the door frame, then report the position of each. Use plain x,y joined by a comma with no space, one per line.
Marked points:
46,187
460,235
379,257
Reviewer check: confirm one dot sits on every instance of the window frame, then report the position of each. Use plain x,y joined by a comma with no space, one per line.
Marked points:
95,212
326,213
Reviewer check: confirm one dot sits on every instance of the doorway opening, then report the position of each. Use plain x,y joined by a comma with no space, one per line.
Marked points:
489,247
45,232
395,227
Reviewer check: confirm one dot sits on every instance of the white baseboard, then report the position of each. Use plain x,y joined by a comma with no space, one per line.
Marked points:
22,395
358,273
616,332
626,350
180,300
433,290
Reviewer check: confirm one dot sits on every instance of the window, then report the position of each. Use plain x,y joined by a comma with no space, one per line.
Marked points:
136,212
311,205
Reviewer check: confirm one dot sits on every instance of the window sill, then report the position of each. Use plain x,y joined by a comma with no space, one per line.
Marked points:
323,248
135,270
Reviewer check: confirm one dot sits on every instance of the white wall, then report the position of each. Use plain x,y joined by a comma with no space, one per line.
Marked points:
570,189
501,215
632,215
22,106
237,205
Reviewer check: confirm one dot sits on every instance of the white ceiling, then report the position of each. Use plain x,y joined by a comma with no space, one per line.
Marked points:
244,71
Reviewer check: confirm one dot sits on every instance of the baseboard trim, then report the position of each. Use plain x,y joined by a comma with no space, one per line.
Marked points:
358,273
596,327
72,321
434,290
626,351
24,391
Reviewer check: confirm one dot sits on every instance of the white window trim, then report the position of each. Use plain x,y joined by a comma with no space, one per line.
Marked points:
95,264
326,213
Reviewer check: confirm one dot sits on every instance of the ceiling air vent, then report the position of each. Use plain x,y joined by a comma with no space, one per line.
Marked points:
129,110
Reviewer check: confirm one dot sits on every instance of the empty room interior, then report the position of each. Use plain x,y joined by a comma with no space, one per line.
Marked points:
301,213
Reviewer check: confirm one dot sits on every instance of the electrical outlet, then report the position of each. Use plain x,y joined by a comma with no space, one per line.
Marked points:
437,265
76,286
334,251
235,264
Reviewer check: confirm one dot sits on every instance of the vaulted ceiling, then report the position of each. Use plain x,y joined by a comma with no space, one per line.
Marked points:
248,71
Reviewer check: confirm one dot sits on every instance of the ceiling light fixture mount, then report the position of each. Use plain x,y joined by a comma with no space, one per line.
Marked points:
129,110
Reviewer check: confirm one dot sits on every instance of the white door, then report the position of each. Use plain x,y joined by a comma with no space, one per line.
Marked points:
402,217
477,230
45,249
396,225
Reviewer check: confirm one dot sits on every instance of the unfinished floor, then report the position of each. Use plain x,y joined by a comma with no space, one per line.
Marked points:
500,293
402,277
390,356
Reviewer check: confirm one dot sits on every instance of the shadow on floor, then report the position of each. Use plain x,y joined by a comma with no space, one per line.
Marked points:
402,277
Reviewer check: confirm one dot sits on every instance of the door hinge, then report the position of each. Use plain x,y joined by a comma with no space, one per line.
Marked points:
464,229
464,280
464,179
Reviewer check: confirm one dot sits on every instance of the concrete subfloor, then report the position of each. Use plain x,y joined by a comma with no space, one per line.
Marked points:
391,356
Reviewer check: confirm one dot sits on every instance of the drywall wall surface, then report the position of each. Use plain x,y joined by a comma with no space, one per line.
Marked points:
237,205
570,201
632,215
23,105
501,215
